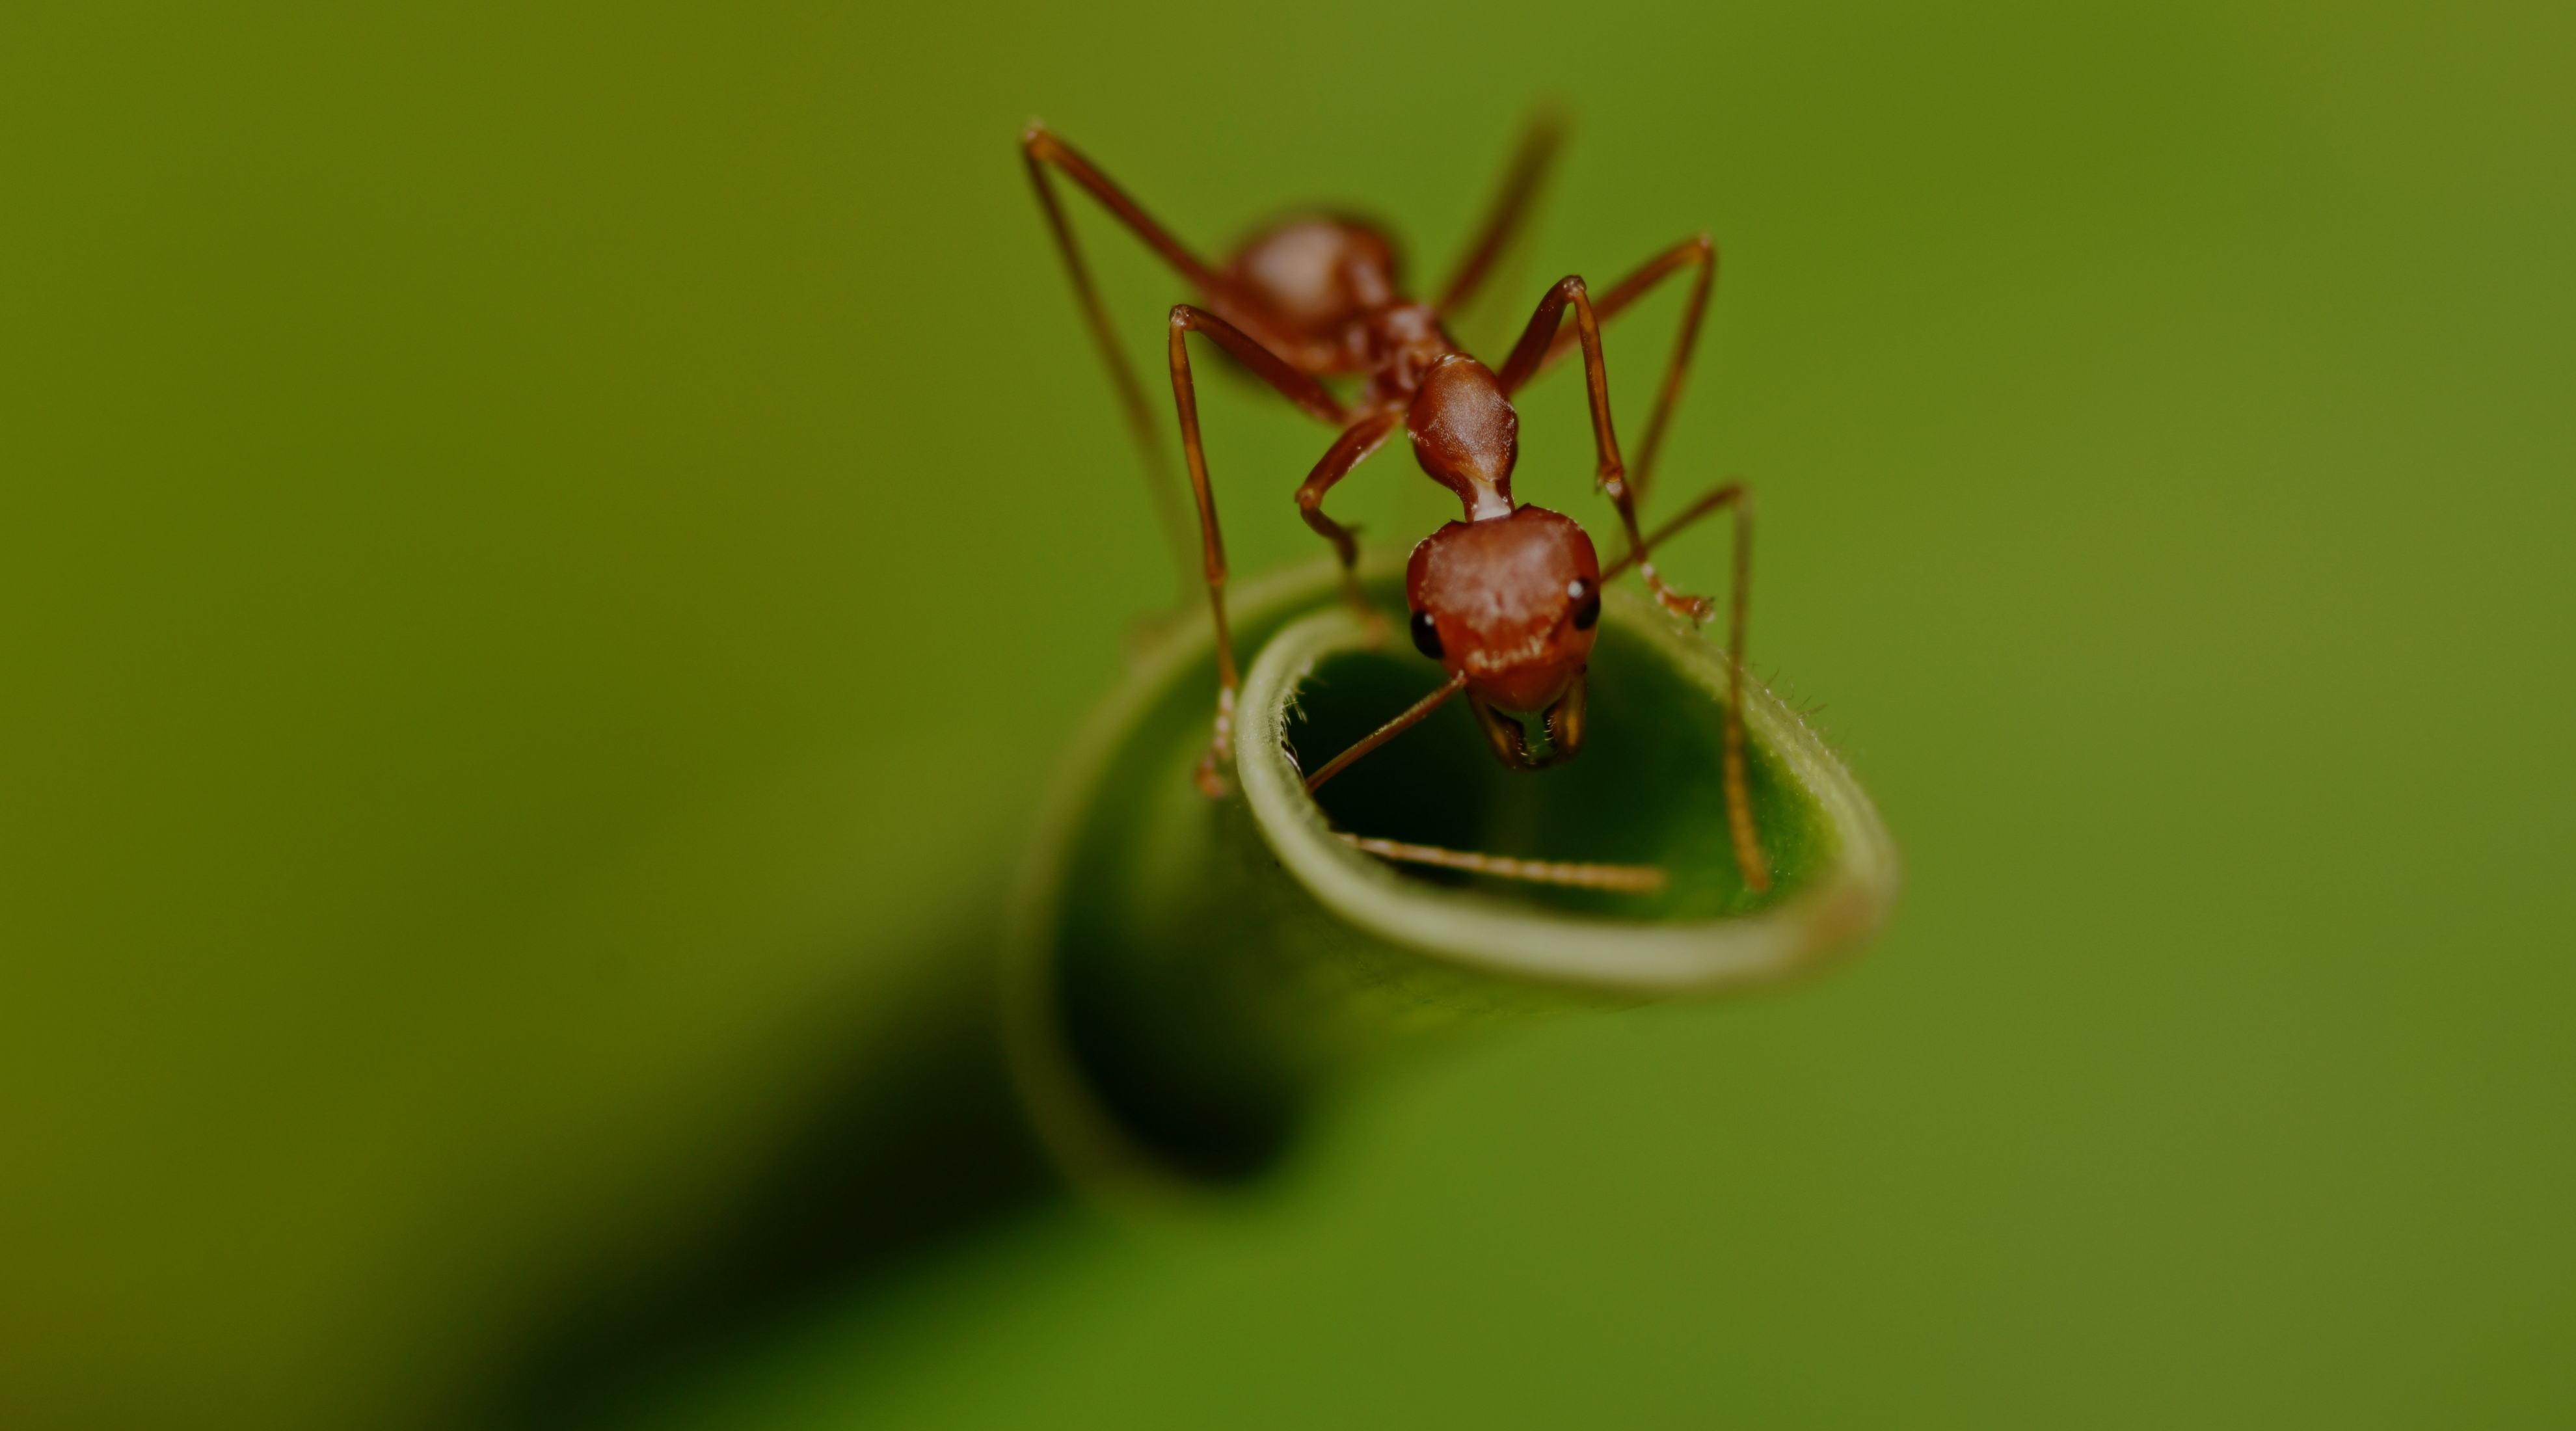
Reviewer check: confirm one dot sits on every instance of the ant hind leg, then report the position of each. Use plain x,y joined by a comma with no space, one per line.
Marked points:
1540,139
1043,151
1298,388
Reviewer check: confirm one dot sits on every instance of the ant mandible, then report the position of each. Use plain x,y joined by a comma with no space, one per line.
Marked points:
1507,598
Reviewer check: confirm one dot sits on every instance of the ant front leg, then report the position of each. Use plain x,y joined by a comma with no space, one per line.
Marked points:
1611,473
1298,388
1698,253
1348,451
1737,498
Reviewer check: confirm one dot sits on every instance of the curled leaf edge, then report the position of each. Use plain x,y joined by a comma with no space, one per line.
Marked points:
1835,909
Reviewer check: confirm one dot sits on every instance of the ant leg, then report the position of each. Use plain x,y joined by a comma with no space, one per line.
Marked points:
1611,473
1348,451
1299,389
1293,384
1039,147
1739,802
1696,252
1729,494
1521,182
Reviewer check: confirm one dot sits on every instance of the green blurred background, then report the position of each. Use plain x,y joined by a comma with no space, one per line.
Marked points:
543,553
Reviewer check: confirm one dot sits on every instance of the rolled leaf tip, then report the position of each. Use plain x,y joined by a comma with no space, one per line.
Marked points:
1184,977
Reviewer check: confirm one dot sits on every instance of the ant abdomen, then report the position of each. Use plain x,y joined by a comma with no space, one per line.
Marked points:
1318,279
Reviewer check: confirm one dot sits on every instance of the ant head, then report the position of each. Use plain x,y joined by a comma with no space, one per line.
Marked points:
1508,602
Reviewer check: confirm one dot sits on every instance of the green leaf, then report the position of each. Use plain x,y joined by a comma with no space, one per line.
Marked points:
1185,976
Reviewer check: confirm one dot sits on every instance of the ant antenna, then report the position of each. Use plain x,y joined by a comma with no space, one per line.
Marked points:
1629,879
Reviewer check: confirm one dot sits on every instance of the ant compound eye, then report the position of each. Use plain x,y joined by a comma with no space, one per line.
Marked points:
1426,636
1587,602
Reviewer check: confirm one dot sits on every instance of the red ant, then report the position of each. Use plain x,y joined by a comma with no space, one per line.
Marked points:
1506,599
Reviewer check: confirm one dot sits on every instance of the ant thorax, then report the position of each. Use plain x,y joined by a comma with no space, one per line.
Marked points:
1509,603
1406,342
